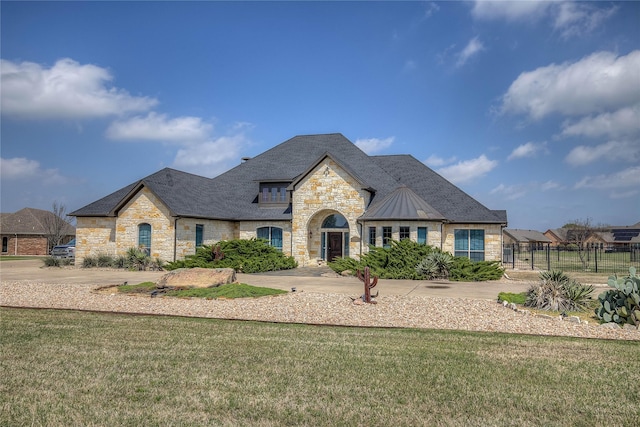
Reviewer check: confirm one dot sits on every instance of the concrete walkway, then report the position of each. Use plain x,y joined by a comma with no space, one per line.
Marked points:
306,279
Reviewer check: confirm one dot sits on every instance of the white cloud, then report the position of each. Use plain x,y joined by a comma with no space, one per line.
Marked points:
574,19
623,122
468,170
613,151
21,169
629,177
374,145
510,192
210,158
472,48
569,18
67,90
509,10
530,149
550,185
158,127
435,162
594,84
430,9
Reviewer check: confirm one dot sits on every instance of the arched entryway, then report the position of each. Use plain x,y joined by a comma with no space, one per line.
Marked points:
334,237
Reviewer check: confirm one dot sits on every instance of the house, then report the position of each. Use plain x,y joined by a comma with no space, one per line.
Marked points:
610,238
28,231
315,197
534,239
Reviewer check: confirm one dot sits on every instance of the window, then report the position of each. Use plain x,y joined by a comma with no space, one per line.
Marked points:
144,238
5,244
372,236
335,221
273,193
470,244
199,234
271,234
386,237
422,235
404,233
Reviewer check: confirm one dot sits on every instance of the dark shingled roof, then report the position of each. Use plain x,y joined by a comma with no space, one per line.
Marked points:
31,221
526,235
233,194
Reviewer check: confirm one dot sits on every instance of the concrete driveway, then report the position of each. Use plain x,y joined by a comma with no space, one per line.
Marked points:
303,279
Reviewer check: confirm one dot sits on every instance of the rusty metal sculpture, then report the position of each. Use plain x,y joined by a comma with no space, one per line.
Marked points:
216,252
368,285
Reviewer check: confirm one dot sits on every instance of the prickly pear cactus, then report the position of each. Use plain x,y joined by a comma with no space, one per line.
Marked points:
622,303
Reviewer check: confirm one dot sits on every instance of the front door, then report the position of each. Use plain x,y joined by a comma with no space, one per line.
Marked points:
335,245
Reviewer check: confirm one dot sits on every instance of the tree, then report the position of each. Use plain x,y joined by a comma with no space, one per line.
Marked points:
57,225
578,233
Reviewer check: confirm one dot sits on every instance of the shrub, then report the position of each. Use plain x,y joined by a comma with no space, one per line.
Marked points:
436,265
465,270
89,262
401,261
104,260
622,303
51,262
246,256
558,292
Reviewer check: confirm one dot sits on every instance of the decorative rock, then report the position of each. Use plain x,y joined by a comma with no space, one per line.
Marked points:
513,306
505,303
610,325
347,273
197,278
544,316
630,327
574,319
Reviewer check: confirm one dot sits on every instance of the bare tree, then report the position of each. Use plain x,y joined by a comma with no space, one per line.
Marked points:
56,225
578,233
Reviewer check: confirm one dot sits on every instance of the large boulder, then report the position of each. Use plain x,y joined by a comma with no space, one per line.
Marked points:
197,278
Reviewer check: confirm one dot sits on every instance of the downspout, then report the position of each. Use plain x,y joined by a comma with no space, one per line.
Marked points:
15,251
442,236
175,238
362,228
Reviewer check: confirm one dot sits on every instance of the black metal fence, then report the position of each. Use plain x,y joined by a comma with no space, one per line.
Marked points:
594,258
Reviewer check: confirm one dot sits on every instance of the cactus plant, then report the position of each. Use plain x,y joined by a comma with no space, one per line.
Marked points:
622,303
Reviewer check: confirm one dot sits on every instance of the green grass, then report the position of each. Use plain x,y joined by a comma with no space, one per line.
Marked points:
19,257
518,298
232,290
65,368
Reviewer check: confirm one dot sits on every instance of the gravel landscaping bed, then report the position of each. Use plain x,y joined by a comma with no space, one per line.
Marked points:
313,308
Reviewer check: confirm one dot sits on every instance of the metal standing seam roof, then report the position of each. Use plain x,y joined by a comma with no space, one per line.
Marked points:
402,204
233,194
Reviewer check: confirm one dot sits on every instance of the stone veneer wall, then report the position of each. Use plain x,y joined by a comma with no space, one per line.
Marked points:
95,235
213,232
325,190
492,239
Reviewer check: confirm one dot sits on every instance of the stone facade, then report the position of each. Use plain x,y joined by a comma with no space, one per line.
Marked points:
213,231
327,189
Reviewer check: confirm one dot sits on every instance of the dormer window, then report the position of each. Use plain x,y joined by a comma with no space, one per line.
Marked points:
273,194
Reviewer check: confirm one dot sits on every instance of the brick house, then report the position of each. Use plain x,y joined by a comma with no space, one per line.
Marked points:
25,232
315,197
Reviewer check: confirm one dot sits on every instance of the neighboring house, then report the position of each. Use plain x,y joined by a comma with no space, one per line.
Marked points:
25,232
315,197
534,239
613,238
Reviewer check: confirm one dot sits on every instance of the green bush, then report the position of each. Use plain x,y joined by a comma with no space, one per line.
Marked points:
558,292
245,256
622,303
134,259
465,270
401,261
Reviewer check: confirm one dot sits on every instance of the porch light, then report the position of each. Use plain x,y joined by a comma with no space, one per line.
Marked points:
310,234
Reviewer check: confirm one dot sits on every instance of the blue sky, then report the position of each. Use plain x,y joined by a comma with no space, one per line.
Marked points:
532,107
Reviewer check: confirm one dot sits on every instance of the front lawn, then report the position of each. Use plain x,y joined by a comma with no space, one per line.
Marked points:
62,368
